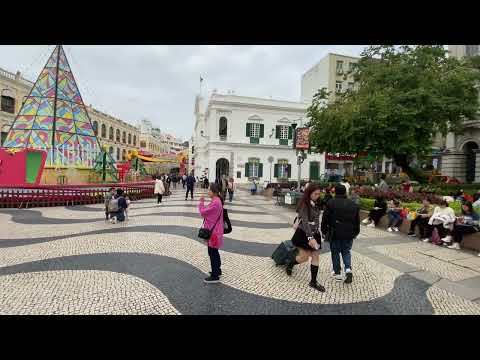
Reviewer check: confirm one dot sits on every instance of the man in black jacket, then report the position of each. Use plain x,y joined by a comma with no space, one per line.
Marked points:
341,224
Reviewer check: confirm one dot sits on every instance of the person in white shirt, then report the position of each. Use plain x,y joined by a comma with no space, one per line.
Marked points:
443,219
345,183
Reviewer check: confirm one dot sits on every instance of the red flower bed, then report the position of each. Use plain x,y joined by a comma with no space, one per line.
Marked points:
400,195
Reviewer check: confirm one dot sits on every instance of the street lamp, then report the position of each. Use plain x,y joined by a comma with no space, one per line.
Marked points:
299,154
270,160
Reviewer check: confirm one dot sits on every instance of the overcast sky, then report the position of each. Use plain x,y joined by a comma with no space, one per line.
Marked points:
160,82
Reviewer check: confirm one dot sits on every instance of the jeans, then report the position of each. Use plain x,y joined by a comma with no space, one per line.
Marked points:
343,247
120,215
393,218
376,215
189,189
159,198
460,230
442,232
422,225
215,261
106,212
230,196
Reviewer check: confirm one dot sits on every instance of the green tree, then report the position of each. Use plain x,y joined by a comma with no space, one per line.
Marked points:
404,95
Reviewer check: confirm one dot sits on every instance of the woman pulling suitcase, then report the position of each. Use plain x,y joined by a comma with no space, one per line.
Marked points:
307,238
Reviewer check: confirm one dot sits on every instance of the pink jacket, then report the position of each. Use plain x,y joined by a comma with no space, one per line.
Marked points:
211,214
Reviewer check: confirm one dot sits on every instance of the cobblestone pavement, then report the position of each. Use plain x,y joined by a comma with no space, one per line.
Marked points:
68,260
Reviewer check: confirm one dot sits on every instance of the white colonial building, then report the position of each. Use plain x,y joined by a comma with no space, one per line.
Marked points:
237,136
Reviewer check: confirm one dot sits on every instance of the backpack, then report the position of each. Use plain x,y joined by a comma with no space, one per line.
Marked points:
113,205
227,225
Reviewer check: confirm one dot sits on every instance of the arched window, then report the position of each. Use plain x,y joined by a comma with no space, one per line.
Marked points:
117,135
104,131
143,144
134,140
110,150
124,155
110,133
124,137
118,153
129,139
223,127
95,127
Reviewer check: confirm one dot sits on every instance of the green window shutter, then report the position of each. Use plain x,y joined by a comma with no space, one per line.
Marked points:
283,142
261,130
277,132
254,140
314,170
247,170
289,170
275,171
248,130
290,133
260,170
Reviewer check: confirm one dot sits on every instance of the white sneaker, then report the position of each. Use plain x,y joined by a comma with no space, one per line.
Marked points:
338,277
426,240
455,246
371,225
396,229
113,220
389,229
365,221
447,239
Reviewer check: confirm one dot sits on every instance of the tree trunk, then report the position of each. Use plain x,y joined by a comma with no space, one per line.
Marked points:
414,174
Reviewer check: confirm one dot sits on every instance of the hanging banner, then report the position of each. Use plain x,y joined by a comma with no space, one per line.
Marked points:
302,138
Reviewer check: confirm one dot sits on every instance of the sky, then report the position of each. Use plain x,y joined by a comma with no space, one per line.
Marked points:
160,82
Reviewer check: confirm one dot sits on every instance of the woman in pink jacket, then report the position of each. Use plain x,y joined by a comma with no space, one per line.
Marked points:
213,220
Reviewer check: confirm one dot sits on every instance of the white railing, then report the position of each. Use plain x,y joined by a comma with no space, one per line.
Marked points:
12,76
71,156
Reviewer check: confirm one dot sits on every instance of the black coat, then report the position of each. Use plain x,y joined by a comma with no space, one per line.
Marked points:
341,219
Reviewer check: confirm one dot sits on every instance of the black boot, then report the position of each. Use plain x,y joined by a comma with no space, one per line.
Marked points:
290,266
313,281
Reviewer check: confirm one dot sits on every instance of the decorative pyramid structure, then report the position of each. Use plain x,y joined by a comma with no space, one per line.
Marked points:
54,118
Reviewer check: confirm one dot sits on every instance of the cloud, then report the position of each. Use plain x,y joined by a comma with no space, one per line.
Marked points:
160,82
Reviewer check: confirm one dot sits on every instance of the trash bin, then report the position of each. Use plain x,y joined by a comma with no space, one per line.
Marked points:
291,198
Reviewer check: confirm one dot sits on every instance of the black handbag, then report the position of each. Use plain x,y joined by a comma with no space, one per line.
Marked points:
227,225
205,233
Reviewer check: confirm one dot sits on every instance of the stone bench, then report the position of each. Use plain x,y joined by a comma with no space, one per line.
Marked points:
471,241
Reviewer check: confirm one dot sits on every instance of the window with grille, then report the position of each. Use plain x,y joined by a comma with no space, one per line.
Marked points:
118,154
255,130
284,132
124,137
104,131
254,166
134,140
8,104
117,135
339,67
338,86
472,50
110,135
129,139
283,169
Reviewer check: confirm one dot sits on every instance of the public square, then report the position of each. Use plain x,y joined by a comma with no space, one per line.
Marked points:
69,260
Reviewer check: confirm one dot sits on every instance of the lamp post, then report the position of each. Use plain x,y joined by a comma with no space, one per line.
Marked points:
270,160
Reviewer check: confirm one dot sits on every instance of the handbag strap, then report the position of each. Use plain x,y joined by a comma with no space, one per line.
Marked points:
216,222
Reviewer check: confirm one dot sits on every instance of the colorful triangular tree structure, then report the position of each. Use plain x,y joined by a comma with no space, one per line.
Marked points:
53,117
105,167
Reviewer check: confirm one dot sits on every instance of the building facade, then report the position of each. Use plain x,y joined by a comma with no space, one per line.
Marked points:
460,154
249,138
117,135
334,73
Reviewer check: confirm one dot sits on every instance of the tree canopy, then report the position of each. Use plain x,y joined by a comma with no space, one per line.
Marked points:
403,96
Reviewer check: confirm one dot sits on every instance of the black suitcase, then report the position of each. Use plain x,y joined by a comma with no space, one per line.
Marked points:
285,252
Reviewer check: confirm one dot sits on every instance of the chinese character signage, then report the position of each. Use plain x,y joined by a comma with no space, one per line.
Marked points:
302,140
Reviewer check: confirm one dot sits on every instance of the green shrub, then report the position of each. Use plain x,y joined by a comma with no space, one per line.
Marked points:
367,204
